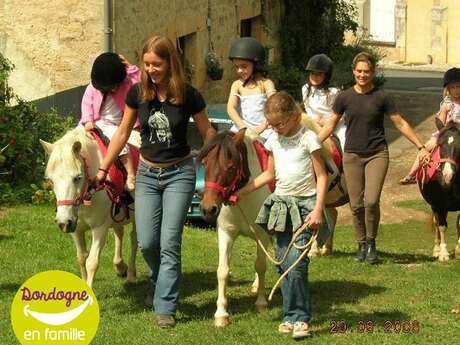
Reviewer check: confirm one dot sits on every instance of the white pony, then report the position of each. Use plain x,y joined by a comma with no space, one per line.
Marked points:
73,163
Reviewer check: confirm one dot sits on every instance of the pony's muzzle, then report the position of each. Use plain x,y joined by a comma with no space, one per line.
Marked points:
210,213
67,227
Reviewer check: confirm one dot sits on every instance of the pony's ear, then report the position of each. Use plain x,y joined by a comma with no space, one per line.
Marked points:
238,138
76,147
438,123
48,147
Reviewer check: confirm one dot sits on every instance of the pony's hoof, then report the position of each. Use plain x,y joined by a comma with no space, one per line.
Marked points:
121,269
443,257
326,251
221,321
261,307
436,251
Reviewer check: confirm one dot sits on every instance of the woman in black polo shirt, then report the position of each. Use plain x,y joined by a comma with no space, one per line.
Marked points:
165,179
365,160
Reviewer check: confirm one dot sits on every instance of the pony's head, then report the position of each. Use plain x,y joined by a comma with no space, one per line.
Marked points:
67,170
226,170
449,142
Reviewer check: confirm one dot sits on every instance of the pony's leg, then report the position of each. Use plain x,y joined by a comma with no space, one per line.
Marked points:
131,278
80,243
437,236
314,250
261,267
221,317
120,267
326,249
457,247
92,262
443,253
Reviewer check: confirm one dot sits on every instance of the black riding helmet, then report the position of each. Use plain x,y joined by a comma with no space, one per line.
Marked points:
320,63
247,48
108,72
451,75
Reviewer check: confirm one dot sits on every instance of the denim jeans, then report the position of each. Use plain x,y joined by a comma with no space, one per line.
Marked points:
163,196
294,287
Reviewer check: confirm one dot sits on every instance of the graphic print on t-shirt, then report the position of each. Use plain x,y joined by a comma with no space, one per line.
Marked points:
159,127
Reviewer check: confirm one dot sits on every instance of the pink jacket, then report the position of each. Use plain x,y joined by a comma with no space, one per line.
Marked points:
92,99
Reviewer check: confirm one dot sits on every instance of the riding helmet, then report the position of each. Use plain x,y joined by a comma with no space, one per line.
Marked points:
247,48
320,63
108,72
451,75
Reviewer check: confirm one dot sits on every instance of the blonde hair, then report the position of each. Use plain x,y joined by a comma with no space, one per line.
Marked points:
283,105
164,48
364,57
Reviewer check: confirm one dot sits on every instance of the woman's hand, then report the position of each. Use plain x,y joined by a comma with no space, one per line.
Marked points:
89,126
260,128
123,60
424,156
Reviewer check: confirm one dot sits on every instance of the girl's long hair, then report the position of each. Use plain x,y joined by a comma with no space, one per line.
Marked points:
164,48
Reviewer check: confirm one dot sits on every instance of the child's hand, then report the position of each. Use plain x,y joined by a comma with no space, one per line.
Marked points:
260,128
89,126
314,219
123,60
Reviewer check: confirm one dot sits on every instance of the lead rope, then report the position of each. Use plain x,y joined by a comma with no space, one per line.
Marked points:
306,248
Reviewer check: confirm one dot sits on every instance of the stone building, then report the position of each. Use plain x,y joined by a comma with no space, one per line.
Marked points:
53,43
413,31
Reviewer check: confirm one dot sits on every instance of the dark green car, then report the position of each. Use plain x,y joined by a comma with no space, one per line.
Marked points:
219,119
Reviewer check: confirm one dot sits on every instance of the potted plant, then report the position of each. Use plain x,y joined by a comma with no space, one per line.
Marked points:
213,68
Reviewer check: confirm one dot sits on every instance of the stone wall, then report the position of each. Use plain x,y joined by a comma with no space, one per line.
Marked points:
51,43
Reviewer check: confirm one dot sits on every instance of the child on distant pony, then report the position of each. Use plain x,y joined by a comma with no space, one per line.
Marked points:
449,111
104,101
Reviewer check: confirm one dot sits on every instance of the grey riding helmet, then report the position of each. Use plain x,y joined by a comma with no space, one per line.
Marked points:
108,72
247,48
451,75
320,63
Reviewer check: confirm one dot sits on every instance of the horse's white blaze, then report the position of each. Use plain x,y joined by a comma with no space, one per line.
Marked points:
447,173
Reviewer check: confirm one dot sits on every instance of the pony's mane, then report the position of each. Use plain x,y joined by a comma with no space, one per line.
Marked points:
223,140
62,149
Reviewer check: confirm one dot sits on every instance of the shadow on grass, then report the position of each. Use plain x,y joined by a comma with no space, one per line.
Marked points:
6,237
397,258
9,287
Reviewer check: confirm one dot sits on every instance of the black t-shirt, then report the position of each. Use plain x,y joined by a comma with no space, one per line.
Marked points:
164,125
364,115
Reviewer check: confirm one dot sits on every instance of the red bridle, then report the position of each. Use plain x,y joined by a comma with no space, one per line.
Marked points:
227,191
81,197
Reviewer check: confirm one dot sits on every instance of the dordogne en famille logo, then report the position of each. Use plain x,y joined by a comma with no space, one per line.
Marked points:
55,307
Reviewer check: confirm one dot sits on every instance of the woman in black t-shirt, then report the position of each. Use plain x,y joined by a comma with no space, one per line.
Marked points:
165,180
365,160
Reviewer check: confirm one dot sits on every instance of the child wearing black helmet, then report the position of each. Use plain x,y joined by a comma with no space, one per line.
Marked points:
449,111
250,91
104,101
317,94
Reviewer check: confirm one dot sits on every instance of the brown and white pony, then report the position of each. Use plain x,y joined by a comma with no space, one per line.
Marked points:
230,161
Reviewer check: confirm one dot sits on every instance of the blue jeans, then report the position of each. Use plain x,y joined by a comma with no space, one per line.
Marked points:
294,287
163,196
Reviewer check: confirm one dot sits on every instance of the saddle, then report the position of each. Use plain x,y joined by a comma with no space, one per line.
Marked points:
262,155
117,172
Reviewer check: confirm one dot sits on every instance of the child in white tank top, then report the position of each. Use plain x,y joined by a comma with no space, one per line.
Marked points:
250,92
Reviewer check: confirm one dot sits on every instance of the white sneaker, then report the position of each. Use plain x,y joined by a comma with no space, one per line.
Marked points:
286,327
300,330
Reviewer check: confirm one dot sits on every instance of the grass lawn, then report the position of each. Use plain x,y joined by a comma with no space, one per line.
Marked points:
373,302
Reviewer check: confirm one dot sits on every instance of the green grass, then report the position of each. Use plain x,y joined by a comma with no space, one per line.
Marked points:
407,286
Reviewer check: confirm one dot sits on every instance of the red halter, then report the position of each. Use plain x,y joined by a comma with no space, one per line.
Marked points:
231,188
80,198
